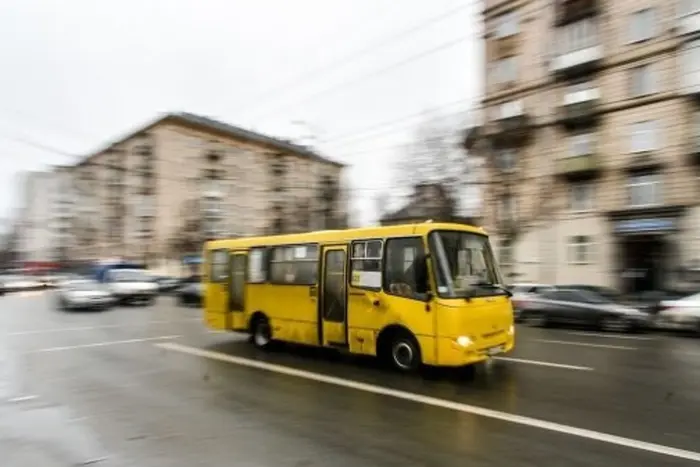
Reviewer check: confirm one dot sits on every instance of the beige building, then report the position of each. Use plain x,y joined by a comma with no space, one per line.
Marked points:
590,127
158,192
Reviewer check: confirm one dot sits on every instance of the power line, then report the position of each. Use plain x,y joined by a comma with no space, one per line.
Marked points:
377,72
345,59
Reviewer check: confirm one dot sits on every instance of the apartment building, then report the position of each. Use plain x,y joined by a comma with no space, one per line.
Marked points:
591,129
45,222
160,191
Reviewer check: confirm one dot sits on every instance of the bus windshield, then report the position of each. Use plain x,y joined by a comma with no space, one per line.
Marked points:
465,265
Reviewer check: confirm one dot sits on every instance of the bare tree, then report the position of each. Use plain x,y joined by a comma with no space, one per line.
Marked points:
434,158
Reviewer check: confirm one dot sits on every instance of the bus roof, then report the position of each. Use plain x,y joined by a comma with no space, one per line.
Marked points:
343,234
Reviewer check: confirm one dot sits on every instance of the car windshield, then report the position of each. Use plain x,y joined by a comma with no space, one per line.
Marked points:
131,275
465,265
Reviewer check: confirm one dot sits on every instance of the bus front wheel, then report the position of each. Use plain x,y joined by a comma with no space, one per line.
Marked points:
404,353
262,333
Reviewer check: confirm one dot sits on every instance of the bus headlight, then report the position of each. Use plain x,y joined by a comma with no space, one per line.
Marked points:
463,341
511,330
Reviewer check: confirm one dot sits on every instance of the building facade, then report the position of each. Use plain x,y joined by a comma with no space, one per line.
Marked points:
591,129
45,223
159,192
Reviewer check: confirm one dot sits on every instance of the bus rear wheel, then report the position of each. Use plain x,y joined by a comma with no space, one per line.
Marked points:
261,337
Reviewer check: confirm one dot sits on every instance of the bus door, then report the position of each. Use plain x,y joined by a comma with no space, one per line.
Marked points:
217,288
235,316
332,303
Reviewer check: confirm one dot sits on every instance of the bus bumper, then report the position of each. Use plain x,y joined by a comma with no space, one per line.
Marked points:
450,353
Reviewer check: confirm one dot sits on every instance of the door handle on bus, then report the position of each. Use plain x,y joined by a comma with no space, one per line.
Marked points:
313,291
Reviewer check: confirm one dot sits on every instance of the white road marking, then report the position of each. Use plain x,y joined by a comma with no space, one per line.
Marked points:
23,398
586,344
107,343
541,363
442,403
612,336
102,326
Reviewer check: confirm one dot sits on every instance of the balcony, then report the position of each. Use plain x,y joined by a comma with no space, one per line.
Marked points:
213,212
689,25
578,62
580,108
642,161
503,47
511,125
570,11
578,167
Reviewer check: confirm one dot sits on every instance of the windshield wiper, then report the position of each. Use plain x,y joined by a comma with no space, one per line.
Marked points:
488,285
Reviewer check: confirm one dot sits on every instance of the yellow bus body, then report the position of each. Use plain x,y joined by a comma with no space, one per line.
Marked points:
326,303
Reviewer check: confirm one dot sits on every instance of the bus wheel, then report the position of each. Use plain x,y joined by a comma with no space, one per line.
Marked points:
405,353
262,333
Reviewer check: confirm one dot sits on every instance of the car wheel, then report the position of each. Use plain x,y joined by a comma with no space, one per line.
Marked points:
262,333
404,353
535,319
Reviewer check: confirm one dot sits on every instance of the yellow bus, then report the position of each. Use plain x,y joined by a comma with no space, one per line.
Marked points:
425,293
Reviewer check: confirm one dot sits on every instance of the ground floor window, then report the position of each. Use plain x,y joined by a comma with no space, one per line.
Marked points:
580,249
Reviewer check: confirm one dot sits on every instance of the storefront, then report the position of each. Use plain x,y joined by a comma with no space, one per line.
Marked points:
648,252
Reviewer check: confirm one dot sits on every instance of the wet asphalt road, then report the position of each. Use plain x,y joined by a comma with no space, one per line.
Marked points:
111,388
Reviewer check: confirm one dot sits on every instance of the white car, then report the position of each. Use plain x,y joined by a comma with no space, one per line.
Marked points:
682,314
132,286
83,295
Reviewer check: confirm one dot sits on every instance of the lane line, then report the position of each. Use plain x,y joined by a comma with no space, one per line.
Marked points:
106,343
541,363
442,403
586,344
22,398
102,326
612,336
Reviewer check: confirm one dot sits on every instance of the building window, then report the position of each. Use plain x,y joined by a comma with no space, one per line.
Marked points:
505,70
644,190
577,36
580,249
688,7
642,25
505,252
582,195
506,159
641,81
506,209
581,144
506,25
643,136
690,62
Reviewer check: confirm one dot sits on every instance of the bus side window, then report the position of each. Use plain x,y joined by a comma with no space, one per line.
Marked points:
219,265
405,269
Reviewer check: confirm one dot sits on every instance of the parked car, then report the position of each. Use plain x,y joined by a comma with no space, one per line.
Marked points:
579,307
522,293
682,314
83,294
191,292
19,283
131,286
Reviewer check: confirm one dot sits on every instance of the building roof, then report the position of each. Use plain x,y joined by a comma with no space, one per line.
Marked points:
217,127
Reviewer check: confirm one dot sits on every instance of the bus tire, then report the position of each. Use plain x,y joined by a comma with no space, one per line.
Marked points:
404,352
261,332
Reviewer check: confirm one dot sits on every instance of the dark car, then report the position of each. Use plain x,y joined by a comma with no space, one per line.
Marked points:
167,284
191,291
581,307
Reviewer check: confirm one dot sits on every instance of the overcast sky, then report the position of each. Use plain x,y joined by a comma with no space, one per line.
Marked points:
75,74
